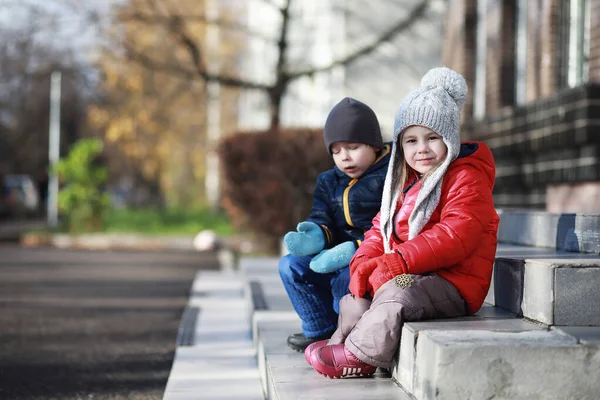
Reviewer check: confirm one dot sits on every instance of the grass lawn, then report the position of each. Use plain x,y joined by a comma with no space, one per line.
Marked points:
167,222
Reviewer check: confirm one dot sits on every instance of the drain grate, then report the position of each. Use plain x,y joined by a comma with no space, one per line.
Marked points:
187,326
258,296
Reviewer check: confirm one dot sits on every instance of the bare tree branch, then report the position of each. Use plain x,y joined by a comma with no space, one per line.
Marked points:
278,89
164,19
177,28
414,16
141,58
270,2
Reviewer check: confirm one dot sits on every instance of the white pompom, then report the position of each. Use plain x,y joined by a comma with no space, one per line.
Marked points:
450,80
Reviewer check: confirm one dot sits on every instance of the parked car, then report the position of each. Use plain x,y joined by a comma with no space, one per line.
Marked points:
20,196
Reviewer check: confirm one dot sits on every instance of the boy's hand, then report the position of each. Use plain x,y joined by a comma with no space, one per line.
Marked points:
333,259
307,241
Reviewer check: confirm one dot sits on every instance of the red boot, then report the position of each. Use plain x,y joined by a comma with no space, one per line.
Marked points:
336,361
314,346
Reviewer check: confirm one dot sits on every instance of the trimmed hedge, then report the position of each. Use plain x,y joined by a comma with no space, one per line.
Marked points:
269,178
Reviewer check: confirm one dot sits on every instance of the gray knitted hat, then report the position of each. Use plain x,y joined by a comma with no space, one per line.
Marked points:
436,104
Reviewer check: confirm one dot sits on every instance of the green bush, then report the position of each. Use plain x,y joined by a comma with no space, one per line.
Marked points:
81,199
269,178
167,222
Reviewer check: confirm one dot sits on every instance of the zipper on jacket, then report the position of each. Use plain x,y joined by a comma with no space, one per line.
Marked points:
347,202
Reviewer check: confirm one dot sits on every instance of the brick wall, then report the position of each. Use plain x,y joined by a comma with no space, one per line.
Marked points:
594,71
547,142
493,64
541,41
459,43
500,65
547,149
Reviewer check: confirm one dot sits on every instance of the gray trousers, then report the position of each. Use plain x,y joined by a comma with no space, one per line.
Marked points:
371,329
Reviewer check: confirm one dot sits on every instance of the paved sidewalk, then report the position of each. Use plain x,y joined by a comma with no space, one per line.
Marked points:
215,357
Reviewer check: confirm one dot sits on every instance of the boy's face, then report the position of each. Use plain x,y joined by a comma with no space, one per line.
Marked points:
354,159
423,148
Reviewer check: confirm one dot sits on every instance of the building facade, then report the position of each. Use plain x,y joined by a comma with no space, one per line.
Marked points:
533,68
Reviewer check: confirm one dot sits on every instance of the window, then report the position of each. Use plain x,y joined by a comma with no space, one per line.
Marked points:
573,43
579,42
521,53
480,60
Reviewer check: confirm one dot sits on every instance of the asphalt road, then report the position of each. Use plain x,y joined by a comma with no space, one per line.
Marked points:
91,325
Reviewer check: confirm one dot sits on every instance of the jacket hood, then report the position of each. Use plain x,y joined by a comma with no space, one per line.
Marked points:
478,155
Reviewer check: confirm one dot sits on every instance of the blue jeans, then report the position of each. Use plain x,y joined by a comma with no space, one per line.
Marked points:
315,297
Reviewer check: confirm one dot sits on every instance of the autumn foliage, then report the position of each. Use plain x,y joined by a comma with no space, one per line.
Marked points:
269,178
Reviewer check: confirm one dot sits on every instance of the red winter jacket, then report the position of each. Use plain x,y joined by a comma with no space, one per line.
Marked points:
459,241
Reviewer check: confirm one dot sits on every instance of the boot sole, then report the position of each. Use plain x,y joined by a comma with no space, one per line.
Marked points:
299,349
347,376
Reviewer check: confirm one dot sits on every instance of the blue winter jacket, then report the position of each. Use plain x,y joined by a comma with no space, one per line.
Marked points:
344,207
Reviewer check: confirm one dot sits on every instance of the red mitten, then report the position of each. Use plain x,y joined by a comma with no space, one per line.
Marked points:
379,276
356,261
388,266
394,263
359,279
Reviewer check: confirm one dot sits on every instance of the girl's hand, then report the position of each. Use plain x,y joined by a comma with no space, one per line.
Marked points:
359,281
379,277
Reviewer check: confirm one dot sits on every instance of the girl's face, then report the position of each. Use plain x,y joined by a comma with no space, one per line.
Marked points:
423,148
354,159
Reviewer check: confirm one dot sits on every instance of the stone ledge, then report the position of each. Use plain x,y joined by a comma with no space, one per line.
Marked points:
443,348
405,361
553,291
569,232
511,365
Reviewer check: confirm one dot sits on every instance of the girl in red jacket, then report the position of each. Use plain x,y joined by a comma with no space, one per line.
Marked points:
431,249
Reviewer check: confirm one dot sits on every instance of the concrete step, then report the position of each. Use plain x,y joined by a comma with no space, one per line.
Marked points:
569,232
264,289
284,372
288,376
215,357
493,354
555,289
484,364
488,319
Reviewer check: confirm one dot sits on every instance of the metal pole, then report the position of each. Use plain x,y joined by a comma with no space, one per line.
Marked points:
212,179
54,148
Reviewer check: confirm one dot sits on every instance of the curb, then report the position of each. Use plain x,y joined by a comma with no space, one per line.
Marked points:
108,242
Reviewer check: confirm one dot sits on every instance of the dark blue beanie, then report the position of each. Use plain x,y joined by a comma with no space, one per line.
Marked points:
352,121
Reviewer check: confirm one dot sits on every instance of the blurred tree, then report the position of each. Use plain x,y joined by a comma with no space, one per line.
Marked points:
25,68
177,27
154,119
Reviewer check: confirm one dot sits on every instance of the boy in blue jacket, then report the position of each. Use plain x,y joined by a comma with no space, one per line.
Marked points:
346,198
